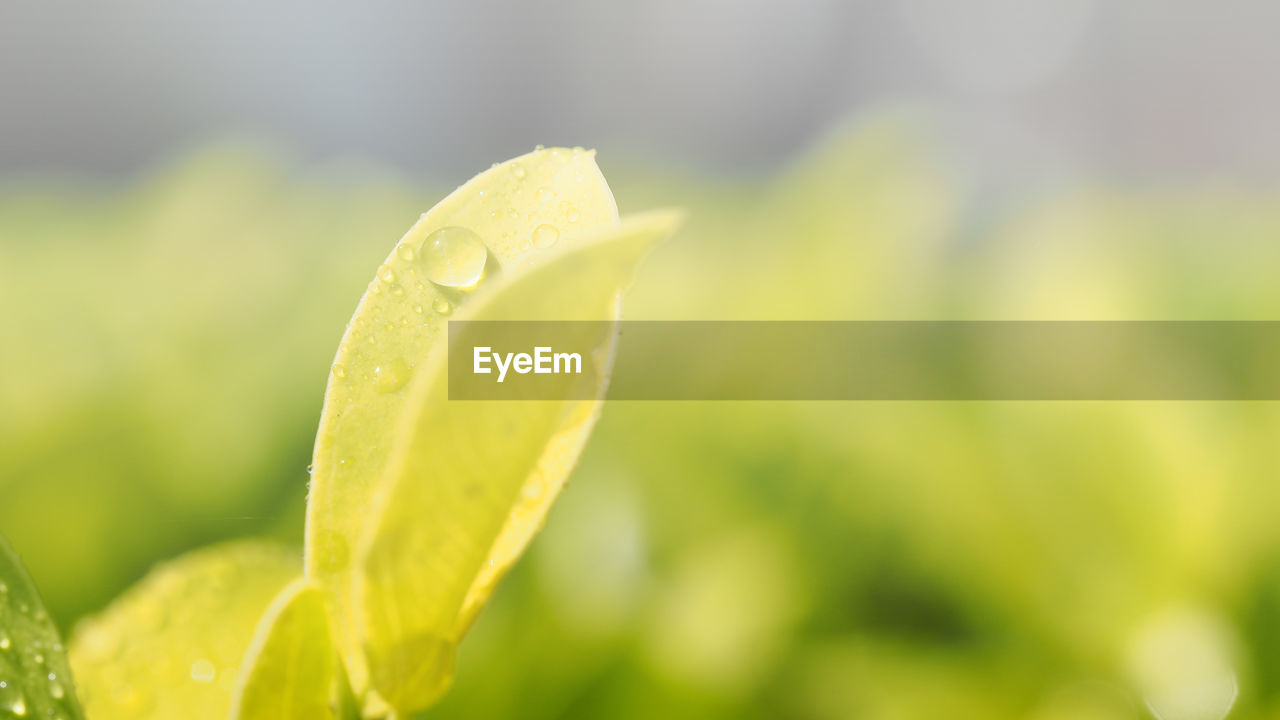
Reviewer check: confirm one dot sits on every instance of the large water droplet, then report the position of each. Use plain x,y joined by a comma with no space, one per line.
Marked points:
391,375
203,671
453,257
544,236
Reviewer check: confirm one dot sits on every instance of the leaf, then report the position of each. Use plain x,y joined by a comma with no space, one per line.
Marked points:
35,680
171,647
512,210
470,482
292,670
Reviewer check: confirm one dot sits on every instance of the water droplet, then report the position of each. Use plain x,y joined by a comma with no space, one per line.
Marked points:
227,678
546,194
417,309
405,252
391,375
573,216
441,306
386,274
397,290
518,172
453,257
339,371
539,147
311,469
544,236
203,671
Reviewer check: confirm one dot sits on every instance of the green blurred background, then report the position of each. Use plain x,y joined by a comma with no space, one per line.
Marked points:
171,303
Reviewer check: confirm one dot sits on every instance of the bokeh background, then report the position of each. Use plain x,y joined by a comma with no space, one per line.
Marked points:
193,196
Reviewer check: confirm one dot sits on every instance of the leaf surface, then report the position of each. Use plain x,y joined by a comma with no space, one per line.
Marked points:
471,481
292,670
171,646
515,211
35,679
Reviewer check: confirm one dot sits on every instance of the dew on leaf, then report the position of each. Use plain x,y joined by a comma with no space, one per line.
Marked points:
203,671
391,375
544,236
453,257
441,306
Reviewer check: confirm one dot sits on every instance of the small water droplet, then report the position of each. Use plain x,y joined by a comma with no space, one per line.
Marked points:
441,306
546,194
544,236
417,309
405,252
539,147
386,274
203,671
573,216
397,290
339,371
311,468
518,172
391,376
453,257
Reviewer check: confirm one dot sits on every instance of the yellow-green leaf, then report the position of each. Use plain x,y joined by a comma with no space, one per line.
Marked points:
504,217
171,647
292,670
35,680
470,482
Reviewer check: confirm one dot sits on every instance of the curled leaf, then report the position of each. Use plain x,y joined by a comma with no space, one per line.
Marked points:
35,680
470,482
171,647
291,671
502,218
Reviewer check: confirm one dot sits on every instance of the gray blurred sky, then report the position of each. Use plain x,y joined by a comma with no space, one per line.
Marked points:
1022,89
